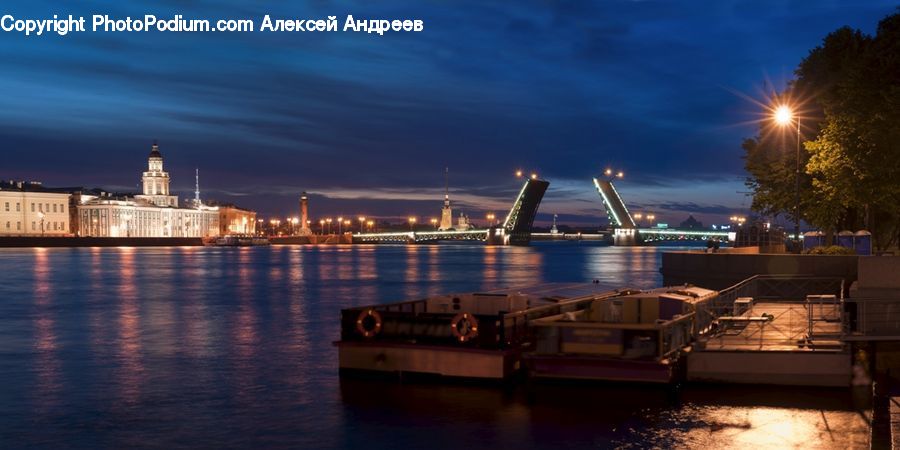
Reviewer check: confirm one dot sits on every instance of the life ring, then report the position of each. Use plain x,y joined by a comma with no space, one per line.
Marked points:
368,323
468,324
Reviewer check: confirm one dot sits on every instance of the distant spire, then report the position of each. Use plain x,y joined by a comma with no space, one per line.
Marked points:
197,187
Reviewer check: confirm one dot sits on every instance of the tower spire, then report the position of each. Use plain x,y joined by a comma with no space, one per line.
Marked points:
197,187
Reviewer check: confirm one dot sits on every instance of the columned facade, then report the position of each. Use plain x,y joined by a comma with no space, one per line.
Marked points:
153,214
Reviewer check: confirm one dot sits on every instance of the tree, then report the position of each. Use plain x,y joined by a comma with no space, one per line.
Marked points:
850,89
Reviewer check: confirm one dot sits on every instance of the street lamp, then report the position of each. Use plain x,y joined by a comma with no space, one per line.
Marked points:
371,224
518,174
490,217
612,175
412,223
651,218
362,223
328,221
784,116
340,222
534,176
638,217
321,226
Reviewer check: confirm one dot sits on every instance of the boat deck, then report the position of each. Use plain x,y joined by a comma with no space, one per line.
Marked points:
787,331
755,350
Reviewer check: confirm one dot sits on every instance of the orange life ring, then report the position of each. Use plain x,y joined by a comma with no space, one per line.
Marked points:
368,323
469,325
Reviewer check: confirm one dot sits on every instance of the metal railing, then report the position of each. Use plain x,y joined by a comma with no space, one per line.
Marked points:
787,312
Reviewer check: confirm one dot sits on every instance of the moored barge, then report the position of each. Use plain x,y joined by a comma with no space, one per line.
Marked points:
472,335
638,337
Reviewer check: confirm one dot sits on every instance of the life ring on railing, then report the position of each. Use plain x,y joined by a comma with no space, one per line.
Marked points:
368,323
464,326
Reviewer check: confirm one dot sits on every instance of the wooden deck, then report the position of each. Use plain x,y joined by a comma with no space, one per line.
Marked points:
777,351
787,331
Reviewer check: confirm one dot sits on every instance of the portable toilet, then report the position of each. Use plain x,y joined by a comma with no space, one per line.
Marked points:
812,239
862,243
845,239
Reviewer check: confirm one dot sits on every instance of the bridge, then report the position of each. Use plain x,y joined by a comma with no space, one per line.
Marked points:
515,230
626,231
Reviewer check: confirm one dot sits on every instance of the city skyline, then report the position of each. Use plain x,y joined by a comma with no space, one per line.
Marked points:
366,124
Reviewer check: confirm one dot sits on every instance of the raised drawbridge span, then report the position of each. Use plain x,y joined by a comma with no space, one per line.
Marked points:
515,230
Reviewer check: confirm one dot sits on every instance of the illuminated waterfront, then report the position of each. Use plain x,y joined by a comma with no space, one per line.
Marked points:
222,347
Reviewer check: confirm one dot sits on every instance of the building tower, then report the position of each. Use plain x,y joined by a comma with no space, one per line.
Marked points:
446,212
197,202
304,215
156,181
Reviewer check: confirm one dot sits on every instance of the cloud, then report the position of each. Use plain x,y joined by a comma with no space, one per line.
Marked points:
369,122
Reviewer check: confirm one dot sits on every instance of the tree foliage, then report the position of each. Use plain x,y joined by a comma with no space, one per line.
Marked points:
850,91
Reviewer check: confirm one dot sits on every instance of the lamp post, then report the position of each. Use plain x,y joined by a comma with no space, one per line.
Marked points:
490,217
412,223
434,223
785,116
340,222
362,223
371,224
638,217
321,226
651,218
328,221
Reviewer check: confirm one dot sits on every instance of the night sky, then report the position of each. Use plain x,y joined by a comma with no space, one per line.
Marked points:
367,123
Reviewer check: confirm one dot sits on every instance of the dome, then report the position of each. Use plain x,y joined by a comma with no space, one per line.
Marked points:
154,151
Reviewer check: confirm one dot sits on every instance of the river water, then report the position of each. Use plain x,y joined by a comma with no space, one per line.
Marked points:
232,348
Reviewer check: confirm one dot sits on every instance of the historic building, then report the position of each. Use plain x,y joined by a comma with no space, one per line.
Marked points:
236,221
29,209
155,213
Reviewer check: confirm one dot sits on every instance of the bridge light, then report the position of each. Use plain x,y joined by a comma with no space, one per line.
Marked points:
607,172
534,176
620,174
518,174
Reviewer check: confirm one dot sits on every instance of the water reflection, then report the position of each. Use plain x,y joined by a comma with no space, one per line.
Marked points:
47,365
130,367
222,347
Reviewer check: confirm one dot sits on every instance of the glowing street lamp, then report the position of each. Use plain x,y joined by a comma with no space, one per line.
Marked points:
534,176
321,226
613,174
434,222
371,224
328,221
784,116
638,217
651,218
518,174
412,223
362,223
490,217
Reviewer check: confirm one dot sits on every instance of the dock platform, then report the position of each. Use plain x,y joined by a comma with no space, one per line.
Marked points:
785,342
